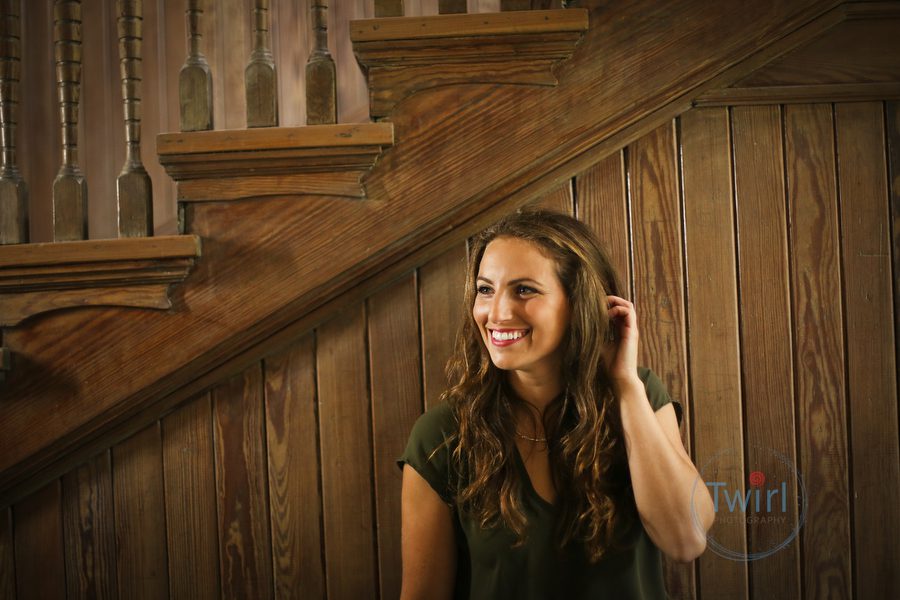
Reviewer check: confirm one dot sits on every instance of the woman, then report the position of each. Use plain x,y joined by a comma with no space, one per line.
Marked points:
554,468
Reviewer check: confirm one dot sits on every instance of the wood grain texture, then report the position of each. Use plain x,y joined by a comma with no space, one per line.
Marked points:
855,51
449,7
40,560
658,285
140,521
818,330
189,476
602,203
872,384
352,92
295,498
423,194
7,554
441,283
558,199
89,531
394,359
346,441
764,293
245,550
388,8
712,316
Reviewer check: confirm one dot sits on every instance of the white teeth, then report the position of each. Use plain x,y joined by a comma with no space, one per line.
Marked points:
507,335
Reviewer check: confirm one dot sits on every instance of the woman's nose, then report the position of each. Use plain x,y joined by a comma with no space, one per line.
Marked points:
501,308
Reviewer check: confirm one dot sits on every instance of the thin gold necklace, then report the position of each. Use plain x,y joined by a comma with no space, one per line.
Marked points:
531,439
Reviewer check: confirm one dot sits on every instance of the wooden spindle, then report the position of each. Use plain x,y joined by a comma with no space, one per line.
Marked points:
195,79
69,188
449,7
134,190
13,193
388,8
321,78
259,77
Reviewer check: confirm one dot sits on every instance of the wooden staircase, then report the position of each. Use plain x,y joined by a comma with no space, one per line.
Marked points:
288,255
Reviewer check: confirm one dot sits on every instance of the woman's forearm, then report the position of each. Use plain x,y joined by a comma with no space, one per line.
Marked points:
665,482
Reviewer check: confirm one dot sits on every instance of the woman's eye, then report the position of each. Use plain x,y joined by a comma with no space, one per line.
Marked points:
524,289
483,289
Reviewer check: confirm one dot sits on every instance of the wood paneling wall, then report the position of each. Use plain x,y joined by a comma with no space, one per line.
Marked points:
756,244
226,26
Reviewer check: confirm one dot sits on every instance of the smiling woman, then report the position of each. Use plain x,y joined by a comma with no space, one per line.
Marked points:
554,467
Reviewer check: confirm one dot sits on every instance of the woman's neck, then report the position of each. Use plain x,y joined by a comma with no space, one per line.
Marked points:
538,391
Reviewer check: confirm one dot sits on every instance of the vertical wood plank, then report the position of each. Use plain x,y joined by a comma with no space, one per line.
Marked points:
245,557
893,134
189,472
715,372
7,555
290,44
765,320
602,203
162,43
448,7
103,151
558,199
388,8
396,403
870,347
346,449
294,496
38,117
233,24
442,282
816,272
89,531
40,563
481,6
352,88
140,516
658,285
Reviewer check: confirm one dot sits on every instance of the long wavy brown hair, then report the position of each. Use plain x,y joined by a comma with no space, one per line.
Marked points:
583,426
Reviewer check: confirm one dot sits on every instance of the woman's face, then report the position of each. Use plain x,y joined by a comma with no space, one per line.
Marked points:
520,307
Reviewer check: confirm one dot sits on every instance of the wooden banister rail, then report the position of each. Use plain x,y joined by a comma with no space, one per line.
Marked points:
13,192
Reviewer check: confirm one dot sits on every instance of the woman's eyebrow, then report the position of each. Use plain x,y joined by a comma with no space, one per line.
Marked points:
511,282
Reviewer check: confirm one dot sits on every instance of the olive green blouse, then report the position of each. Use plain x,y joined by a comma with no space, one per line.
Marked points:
489,567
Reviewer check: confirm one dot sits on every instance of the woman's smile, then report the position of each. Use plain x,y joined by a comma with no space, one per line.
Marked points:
506,337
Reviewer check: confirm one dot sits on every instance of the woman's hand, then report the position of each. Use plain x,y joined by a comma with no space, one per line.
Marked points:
620,354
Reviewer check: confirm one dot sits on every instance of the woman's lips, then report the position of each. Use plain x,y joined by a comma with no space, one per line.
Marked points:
507,337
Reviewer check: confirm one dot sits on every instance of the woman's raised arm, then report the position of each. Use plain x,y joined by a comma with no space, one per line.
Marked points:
427,540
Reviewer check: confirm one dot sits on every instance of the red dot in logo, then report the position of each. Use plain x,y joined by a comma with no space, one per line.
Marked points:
757,478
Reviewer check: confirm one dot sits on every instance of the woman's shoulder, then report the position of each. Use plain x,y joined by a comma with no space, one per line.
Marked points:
437,422
657,393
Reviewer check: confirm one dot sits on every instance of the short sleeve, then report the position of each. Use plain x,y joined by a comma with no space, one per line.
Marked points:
427,451
657,393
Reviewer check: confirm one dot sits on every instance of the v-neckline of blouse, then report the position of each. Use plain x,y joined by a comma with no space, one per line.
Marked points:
529,486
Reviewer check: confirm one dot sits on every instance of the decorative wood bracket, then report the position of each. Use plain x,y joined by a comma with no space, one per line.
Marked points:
37,278
404,55
273,161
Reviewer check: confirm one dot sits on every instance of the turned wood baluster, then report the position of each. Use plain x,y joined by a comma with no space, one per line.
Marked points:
134,193
195,78
69,188
13,193
321,86
260,80
388,8
446,7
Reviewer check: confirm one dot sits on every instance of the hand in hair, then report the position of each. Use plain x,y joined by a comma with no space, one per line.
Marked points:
620,354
